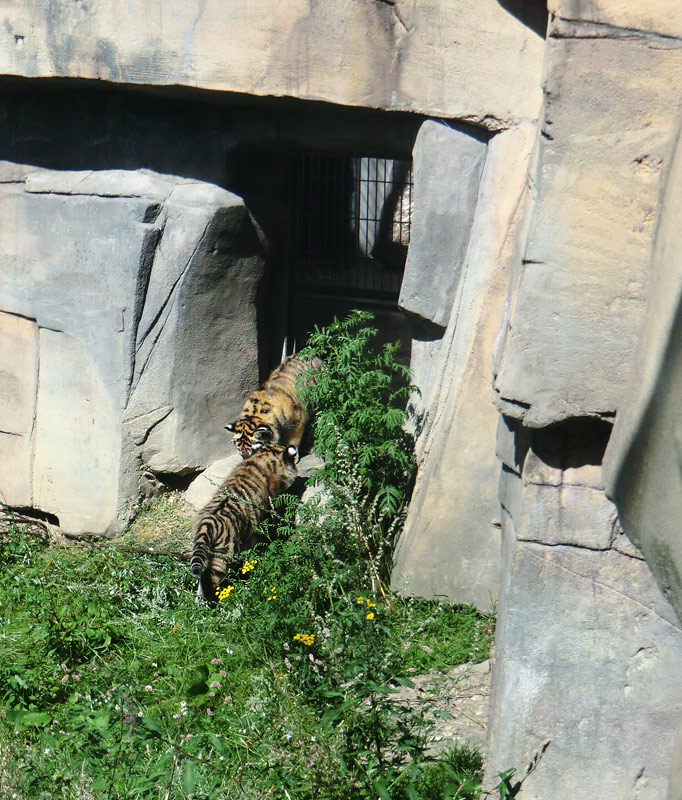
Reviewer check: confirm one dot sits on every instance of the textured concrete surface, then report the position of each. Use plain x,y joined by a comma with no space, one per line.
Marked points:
588,650
450,545
643,463
455,702
447,168
662,17
644,458
589,657
18,384
579,293
448,58
205,485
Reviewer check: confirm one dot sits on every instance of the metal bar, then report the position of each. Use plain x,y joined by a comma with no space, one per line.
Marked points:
350,223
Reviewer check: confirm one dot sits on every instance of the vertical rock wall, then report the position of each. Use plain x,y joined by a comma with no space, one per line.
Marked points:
643,463
588,649
451,543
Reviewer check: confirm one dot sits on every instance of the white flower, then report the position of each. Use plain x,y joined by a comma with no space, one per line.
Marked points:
47,751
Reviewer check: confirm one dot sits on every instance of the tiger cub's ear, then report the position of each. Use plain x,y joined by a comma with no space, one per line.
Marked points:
292,453
230,427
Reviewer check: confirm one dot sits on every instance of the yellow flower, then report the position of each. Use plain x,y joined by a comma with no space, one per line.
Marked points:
371,605
305,638
248,566
223,594
370,615
360,600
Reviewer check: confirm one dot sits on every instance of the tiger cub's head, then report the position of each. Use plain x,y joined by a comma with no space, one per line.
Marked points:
249,436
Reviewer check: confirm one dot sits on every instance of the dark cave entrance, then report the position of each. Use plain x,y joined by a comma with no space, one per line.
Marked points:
338,223
347,240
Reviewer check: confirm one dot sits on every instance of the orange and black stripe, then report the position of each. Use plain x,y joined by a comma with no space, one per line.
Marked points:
274,414
225,525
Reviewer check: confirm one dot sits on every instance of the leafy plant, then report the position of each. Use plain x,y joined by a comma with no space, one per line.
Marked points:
359,399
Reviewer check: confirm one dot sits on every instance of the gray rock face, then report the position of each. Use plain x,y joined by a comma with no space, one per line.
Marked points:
18,383
447,58
588,651
129,319
662,17
447,172
644,459
578,296
450,546
643,463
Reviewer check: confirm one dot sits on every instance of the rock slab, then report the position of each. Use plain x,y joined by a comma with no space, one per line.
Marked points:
588,650
129,323
450,546
447,168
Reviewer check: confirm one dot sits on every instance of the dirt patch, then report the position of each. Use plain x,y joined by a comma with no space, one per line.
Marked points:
457,703
164,523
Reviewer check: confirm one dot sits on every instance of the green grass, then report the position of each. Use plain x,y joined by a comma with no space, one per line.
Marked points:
115,683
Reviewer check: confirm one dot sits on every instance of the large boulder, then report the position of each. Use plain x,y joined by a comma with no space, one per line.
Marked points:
129,324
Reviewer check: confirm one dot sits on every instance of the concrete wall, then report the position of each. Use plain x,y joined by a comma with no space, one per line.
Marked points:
451,543
588,647
644,459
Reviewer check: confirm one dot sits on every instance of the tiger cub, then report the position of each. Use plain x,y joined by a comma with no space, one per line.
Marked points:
274,413
225,525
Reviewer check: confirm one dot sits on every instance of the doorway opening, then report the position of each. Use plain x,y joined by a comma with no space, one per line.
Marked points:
348,235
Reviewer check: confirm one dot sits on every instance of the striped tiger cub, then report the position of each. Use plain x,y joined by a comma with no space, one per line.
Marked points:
274,414
225,525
